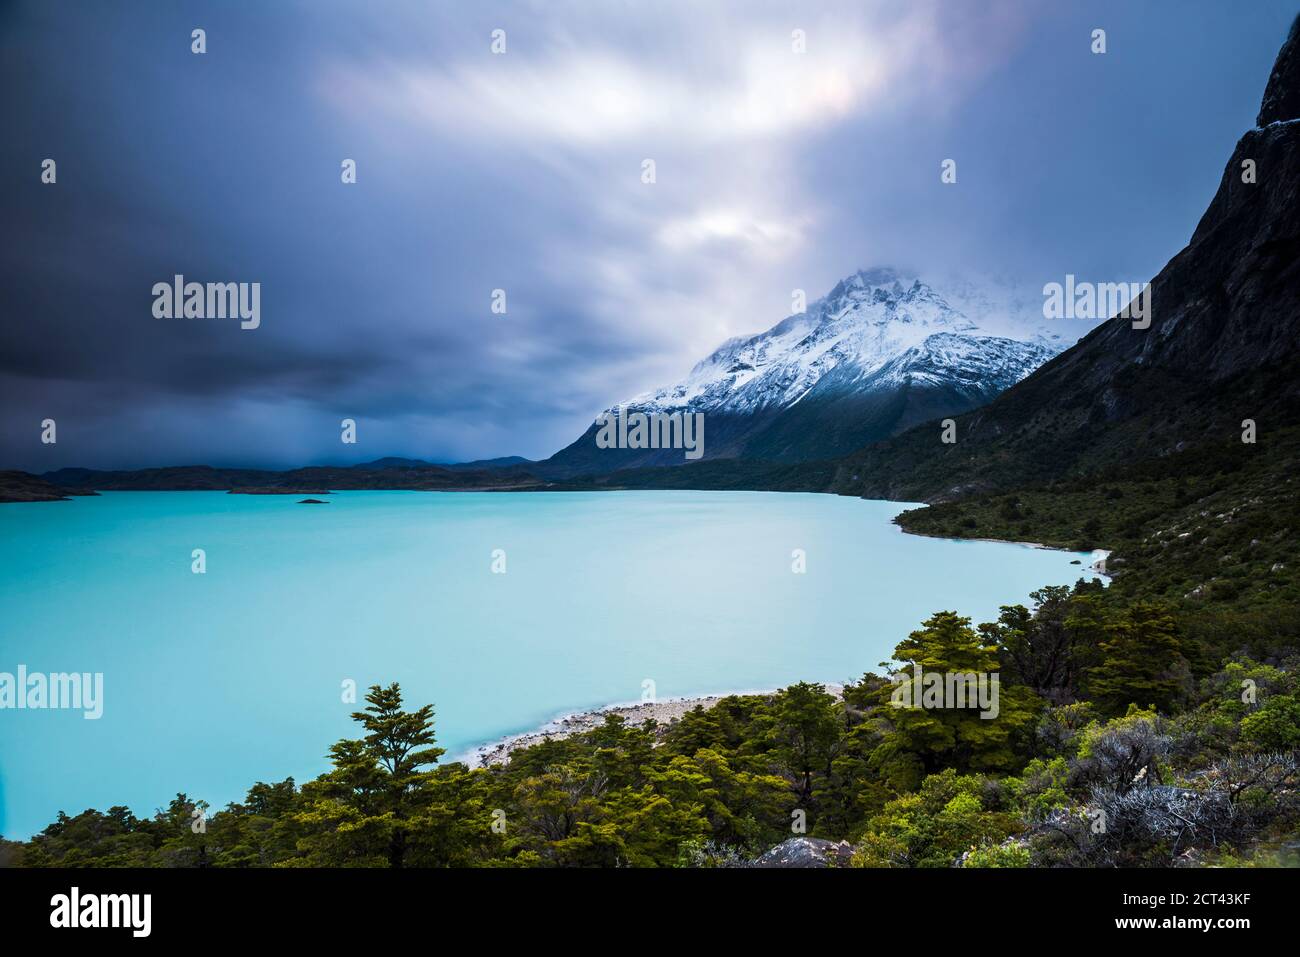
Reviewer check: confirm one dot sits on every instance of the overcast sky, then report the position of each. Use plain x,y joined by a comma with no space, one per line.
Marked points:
523,171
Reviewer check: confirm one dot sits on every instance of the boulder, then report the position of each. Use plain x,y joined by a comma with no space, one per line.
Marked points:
806,852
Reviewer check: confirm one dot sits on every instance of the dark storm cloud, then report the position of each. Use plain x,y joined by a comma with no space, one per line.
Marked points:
521,172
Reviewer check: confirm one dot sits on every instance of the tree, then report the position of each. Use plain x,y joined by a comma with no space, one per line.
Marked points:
363,807
742,809
920,739
1039,649
183,827
259,832
1275,726
806,730
950,814
1141,662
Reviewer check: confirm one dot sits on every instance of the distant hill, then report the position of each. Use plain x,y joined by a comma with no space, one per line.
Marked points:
417,476
22,487
393,462
503,462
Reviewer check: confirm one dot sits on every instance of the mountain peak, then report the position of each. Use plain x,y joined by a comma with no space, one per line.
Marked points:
879,279
883,294
880,352
859,330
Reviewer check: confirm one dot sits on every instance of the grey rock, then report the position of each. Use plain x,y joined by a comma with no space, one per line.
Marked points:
806,852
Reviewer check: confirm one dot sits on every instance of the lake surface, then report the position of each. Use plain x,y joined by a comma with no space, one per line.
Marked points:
213,681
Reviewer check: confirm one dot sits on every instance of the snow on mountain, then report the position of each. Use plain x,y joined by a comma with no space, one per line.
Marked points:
881,353
878,329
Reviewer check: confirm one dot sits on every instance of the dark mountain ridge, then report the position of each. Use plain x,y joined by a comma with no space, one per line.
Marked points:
1223,347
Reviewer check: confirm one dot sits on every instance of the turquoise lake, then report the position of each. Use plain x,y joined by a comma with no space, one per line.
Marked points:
213,681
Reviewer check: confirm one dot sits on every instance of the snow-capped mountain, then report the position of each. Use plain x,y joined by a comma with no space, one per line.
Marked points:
880,353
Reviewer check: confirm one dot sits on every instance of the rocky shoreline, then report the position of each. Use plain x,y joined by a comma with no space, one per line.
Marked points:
665,713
